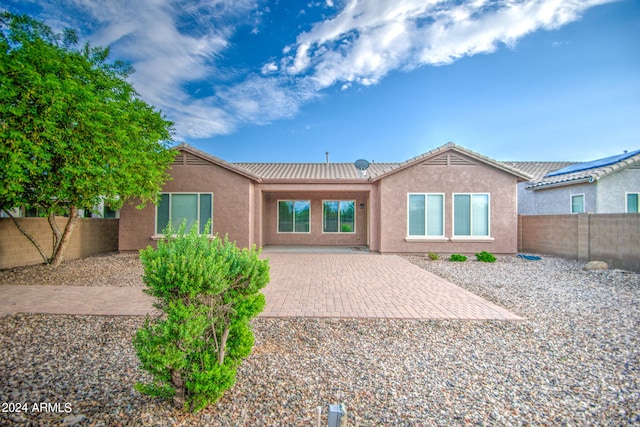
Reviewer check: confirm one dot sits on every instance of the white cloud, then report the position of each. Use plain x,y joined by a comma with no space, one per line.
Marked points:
269,67
370,38
263,99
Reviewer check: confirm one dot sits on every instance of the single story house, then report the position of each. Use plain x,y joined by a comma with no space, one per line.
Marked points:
448,200
607,185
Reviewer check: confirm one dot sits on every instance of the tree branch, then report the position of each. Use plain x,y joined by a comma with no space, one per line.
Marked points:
28,236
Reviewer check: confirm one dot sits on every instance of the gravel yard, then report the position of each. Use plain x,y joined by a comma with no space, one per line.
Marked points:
121,270
575,360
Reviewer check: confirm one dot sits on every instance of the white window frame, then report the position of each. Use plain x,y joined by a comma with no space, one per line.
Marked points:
160,235
584,203
626,201
294,218
453,217
354,216
426,228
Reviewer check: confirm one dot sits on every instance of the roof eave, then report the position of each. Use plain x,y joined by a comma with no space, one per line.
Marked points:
361,181
542,186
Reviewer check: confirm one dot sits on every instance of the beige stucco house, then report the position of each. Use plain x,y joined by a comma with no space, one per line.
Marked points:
448,200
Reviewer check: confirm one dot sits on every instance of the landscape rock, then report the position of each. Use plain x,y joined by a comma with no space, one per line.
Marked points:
73,420
596,265
573,360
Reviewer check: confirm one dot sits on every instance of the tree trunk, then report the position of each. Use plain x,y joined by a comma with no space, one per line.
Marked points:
178,385
61,245
223,345
29,236
57,234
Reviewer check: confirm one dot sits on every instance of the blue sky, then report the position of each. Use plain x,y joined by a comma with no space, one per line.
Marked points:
384,80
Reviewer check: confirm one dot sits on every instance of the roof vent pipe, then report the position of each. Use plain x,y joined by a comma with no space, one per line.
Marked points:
327,154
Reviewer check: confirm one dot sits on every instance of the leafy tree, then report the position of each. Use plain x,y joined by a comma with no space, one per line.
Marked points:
208,291
74,132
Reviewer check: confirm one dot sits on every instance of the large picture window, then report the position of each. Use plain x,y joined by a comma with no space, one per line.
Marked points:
293,216
426,215
471,215
187,208
338,216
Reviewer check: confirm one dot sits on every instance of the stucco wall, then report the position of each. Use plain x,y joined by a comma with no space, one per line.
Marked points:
478,178
91,236
232,206
316,236
612,190
556,200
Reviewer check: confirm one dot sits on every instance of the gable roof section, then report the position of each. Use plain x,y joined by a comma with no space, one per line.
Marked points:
446,155
192,156
587,171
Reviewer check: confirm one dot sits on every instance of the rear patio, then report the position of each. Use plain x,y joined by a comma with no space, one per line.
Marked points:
322,282
315,282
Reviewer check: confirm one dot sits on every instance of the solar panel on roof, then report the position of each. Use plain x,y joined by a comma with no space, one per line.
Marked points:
593,164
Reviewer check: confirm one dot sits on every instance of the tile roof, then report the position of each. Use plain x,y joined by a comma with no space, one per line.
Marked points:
538,169
311,171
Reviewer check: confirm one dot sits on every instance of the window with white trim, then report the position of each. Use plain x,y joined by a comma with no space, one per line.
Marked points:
338,216
187,208
633,203
425,215
293,216
577,203
471,215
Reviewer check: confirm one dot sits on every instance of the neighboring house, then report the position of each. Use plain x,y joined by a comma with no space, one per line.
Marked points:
608,185
447,200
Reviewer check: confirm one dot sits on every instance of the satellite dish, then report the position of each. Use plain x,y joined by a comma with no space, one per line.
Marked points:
362,165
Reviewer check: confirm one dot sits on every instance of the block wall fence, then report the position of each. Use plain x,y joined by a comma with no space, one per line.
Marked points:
91,236
612,238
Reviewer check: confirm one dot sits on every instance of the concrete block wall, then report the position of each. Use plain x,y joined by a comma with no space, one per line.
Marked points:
613,238
91,236
548,234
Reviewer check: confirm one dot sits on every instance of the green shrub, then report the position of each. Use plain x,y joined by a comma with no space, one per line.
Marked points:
208,291
485,256
433,256
457,257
